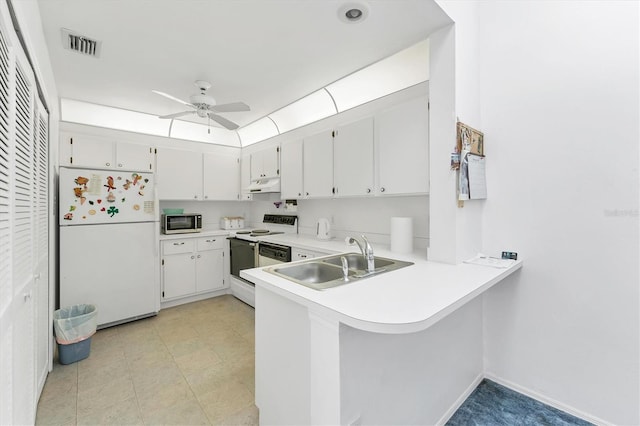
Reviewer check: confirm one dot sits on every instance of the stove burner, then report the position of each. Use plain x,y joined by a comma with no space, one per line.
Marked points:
260,231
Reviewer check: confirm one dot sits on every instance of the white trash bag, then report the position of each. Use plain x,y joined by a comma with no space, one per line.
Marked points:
75,323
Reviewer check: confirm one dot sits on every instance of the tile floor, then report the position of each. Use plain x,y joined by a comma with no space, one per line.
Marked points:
191,364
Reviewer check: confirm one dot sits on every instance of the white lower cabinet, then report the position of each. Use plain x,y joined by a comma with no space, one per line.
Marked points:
191,266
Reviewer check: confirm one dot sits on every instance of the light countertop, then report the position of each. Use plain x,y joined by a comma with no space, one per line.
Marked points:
401,301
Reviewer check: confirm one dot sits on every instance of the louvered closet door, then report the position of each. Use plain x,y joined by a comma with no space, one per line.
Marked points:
17,229
41,240
6,283
24,244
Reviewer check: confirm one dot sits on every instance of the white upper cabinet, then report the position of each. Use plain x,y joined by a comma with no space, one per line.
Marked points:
265,163
131,156
245,177
353,159
318,165
403,148
179,174
291,184
94,152
221,174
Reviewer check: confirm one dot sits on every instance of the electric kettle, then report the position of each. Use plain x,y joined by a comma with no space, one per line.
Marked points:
323,229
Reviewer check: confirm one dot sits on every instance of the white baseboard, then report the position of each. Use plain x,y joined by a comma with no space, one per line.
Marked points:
194,298
450,412
546,400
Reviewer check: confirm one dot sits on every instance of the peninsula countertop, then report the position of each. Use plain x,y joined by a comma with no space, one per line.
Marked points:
405,300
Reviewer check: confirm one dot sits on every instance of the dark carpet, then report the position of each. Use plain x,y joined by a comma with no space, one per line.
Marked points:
493,404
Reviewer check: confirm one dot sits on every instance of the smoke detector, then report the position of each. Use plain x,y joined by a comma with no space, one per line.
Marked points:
79,43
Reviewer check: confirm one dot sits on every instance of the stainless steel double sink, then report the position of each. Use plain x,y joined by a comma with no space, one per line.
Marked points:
321,274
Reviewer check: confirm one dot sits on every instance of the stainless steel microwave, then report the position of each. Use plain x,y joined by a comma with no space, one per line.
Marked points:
181,223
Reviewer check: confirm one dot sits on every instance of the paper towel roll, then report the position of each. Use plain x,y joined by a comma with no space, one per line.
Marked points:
401,234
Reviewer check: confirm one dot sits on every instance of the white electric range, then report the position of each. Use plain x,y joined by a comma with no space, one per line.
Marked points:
248,250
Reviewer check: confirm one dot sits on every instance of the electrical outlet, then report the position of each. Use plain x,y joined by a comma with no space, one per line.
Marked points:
510,255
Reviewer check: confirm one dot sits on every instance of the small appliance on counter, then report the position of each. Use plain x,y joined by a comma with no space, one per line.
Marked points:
323,229
231,222
181,223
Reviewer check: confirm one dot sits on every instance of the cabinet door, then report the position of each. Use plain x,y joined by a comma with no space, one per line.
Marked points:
403,149
265,163
209,270
245,177
271,162
91,152
221,177
318,165
291,174
178,275
178,174
353,159
134,157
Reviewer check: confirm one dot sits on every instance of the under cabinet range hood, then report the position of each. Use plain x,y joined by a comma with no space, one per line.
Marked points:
264,185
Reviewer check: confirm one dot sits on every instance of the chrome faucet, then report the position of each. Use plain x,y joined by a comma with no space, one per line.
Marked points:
367,252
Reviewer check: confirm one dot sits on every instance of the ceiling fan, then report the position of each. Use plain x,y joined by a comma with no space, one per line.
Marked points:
204,106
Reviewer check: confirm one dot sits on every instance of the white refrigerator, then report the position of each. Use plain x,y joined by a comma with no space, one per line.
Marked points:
109,226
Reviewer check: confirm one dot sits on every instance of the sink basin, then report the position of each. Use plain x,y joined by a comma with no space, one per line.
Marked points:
322,274
316,275
357,261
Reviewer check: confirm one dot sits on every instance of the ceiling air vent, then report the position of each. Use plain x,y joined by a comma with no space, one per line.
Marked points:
80,44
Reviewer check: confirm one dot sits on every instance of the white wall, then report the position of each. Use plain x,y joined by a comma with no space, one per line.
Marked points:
560,112
454,95
411,379
355,216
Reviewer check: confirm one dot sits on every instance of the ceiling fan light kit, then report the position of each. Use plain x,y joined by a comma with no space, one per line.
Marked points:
205,106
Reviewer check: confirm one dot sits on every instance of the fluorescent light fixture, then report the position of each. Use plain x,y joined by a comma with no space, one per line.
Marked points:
404,69
313,107
202,133
113,118
257,131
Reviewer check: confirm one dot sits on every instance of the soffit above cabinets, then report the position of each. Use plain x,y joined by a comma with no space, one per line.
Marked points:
267,54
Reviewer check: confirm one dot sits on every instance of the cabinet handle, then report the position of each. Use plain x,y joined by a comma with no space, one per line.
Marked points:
368,190
307,194
195,197
299,194
119,164
193,257
304,256
107,164
206,196
382,189
210,241
199,256
178,244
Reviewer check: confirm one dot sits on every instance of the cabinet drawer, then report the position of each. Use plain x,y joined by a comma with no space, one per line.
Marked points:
210,243
178,246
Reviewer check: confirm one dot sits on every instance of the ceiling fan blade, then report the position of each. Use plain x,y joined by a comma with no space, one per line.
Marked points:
173,98
177,114
223,121
232,107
